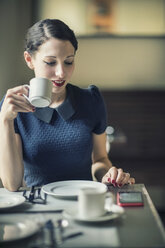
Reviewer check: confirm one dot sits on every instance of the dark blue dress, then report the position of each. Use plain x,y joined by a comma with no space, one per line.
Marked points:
57,143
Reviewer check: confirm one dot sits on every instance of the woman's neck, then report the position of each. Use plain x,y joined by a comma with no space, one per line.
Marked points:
57,99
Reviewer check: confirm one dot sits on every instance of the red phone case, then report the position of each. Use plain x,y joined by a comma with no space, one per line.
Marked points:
128,204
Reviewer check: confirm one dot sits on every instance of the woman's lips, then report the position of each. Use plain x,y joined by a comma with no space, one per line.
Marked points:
58,83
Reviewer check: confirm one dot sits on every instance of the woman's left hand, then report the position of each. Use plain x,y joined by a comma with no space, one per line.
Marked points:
117,177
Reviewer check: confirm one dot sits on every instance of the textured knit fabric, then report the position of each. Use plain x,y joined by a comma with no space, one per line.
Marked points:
57,143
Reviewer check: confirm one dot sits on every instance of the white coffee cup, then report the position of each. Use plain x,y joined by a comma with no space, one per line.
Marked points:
91,202
40,91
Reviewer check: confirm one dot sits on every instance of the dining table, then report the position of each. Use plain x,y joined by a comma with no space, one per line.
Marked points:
49,224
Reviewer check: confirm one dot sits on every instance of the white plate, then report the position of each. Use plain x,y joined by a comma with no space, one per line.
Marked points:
14,230
116,211
69,189
10,200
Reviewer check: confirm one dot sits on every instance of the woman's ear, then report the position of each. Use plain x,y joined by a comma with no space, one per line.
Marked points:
28,59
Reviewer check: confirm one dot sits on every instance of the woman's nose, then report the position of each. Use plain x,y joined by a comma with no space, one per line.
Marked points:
60,72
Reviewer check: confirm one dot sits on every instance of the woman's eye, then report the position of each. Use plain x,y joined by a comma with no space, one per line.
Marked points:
54,62
69,63
50,63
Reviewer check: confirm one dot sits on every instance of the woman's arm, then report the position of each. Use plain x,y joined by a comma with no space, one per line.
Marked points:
102,168
11,161
101,163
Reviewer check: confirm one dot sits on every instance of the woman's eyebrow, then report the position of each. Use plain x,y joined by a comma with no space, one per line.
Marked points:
70,56
50,56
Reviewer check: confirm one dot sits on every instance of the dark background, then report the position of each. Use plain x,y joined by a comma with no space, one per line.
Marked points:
138,118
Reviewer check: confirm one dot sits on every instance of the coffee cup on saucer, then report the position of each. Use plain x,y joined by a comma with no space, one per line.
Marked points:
91,202
40,92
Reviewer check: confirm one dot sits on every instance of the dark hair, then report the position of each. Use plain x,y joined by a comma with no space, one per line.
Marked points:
46,29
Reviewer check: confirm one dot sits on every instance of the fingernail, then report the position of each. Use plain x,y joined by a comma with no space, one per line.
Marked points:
113,181
109,180
33,109
26,87
120,184
116,184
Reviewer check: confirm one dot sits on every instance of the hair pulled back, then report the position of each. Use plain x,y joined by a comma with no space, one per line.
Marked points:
43,30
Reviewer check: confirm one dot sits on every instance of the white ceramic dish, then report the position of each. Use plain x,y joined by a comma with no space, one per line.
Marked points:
15,230
116,211
10,200
69,189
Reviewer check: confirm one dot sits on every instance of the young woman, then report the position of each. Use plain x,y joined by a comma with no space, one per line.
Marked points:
64,141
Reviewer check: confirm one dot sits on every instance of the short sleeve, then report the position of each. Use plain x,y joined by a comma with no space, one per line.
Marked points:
15,120
99,108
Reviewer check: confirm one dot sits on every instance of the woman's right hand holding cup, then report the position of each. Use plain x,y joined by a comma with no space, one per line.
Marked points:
15,102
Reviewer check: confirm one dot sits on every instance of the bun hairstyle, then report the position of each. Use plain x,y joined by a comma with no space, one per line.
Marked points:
45,29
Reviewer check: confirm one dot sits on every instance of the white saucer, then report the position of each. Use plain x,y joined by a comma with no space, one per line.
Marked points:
116,211
10,200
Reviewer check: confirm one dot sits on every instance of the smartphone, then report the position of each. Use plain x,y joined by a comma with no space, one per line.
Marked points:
129,198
